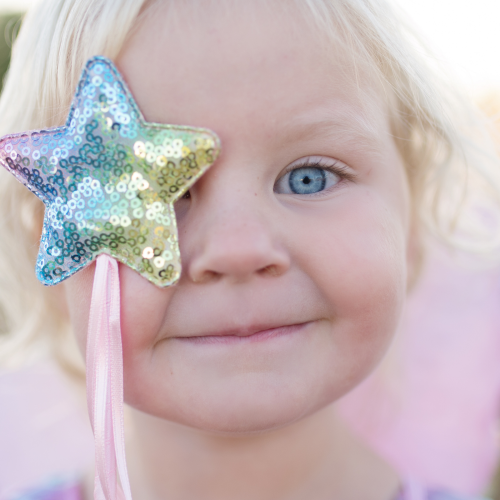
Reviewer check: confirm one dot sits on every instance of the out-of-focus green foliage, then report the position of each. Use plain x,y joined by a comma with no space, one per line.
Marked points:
9,28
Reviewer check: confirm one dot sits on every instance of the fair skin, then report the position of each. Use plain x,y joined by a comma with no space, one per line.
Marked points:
287,299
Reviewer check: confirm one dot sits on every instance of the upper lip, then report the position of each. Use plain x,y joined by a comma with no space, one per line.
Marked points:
245,331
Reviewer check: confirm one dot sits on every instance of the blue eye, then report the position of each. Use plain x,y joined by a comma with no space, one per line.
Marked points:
306,180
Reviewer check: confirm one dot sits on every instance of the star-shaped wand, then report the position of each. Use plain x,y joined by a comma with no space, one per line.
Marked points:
109,180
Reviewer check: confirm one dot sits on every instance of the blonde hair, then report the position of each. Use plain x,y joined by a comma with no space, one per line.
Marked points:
56,39
441,140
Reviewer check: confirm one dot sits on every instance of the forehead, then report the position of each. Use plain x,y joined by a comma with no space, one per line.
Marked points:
230,65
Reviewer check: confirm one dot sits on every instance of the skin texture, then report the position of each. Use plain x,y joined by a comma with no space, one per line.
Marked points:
330,267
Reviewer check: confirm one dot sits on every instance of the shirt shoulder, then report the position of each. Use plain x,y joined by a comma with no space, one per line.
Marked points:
444,495
412,490
72,491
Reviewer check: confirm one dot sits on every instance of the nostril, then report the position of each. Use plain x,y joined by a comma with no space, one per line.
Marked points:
205,277
271,270
211,276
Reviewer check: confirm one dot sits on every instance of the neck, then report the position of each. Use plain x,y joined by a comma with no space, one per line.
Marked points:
313,458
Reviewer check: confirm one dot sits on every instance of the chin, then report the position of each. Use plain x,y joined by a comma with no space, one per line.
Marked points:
242,421
256,407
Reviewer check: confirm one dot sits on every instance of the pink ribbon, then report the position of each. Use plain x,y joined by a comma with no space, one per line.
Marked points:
105,383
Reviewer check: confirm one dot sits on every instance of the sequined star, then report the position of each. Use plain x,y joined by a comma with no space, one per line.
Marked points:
109,180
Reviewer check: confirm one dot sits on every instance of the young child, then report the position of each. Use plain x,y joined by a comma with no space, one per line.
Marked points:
298,244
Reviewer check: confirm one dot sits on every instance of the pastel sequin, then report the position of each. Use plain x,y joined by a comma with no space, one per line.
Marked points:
109,180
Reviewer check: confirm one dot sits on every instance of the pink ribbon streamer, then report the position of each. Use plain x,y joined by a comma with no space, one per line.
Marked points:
105,383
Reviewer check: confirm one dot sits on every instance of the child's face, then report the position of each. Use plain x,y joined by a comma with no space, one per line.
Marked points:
293,279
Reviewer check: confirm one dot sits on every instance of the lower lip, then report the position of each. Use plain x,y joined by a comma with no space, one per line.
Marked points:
261,336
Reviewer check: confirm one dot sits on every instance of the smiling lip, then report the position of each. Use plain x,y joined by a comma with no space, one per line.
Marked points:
246,335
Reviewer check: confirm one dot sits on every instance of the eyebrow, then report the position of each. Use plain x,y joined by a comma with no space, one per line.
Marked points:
350,129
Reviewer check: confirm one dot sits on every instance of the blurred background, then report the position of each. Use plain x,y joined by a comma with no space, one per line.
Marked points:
10,21
464,37
463,34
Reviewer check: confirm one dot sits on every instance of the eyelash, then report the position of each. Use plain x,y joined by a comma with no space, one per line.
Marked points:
341,170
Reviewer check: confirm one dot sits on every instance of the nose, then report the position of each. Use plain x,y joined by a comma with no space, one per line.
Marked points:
235,244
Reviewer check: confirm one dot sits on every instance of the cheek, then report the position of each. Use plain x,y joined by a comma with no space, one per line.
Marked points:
143,307
359,264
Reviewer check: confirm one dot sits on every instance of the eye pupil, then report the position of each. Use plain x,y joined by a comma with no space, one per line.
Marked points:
307,180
